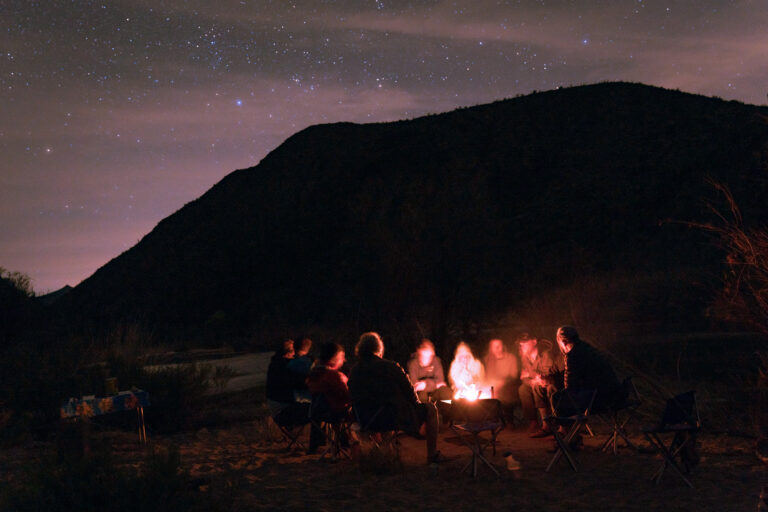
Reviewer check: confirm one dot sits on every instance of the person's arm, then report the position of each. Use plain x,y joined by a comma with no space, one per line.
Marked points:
479,372
546,365
413,370
338,387
404,384
416,375
514,369
579,366
555,371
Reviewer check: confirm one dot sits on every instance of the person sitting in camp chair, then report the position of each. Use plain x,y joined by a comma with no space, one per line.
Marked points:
425,370
328,385
538,384
290,416
584,368
377,384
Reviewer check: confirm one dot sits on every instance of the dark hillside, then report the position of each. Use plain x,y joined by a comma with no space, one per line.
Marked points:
450,219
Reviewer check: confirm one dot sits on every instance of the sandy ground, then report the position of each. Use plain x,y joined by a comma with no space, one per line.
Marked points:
261,474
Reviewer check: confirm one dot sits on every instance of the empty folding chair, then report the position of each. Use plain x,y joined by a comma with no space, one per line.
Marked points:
469,419
572,409
679,423
620,414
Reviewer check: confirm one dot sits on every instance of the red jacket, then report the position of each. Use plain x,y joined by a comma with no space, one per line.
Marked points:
332,384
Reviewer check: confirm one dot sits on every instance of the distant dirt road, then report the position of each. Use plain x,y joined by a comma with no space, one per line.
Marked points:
251,370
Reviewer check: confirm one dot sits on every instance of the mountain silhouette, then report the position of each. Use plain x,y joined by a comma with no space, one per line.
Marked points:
449,219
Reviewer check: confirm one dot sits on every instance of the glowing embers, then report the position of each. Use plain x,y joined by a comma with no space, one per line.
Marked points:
473,392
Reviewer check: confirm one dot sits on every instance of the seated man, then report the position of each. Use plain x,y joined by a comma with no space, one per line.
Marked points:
501,373
376,382
284,409
299,367
585,368
426,373
537,382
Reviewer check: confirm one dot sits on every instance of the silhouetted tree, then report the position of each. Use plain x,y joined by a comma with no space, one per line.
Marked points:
15,304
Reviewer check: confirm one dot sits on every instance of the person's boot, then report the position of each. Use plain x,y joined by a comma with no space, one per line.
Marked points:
543,431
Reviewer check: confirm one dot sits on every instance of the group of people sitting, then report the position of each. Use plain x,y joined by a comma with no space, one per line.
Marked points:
537,379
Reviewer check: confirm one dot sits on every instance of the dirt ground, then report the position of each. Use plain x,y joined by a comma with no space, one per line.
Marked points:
245,455
261,474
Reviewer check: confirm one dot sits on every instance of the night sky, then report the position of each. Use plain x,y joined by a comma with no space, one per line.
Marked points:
114,114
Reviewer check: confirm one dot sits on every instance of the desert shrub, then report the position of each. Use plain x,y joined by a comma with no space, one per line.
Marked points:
221,376
35,381
380,460
744,296
176,394
98,483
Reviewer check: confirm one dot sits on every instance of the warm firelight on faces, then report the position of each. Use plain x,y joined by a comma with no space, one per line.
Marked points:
497,348
426,354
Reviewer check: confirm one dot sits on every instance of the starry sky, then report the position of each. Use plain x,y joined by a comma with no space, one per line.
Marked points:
115,113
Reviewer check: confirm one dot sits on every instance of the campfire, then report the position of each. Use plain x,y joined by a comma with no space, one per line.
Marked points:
472,392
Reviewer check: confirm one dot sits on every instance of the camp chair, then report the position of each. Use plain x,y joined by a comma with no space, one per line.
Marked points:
572,409
292,421
333,425
681,419
474,418
378,423
620,414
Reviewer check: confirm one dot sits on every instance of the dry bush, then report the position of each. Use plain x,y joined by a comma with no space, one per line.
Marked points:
744,298
380,460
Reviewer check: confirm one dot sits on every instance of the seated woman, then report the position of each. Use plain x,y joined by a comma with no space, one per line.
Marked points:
502,374
331,398
326,379
426,373
466,373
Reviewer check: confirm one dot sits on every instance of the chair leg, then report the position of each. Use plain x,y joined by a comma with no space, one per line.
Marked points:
619,430
611,441
562,446
293,436
477,446
669,455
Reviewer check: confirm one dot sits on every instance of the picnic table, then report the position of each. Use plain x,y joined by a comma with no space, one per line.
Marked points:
83,408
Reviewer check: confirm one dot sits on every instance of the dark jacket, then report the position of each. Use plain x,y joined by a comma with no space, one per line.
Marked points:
587,368
376,382
279,380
